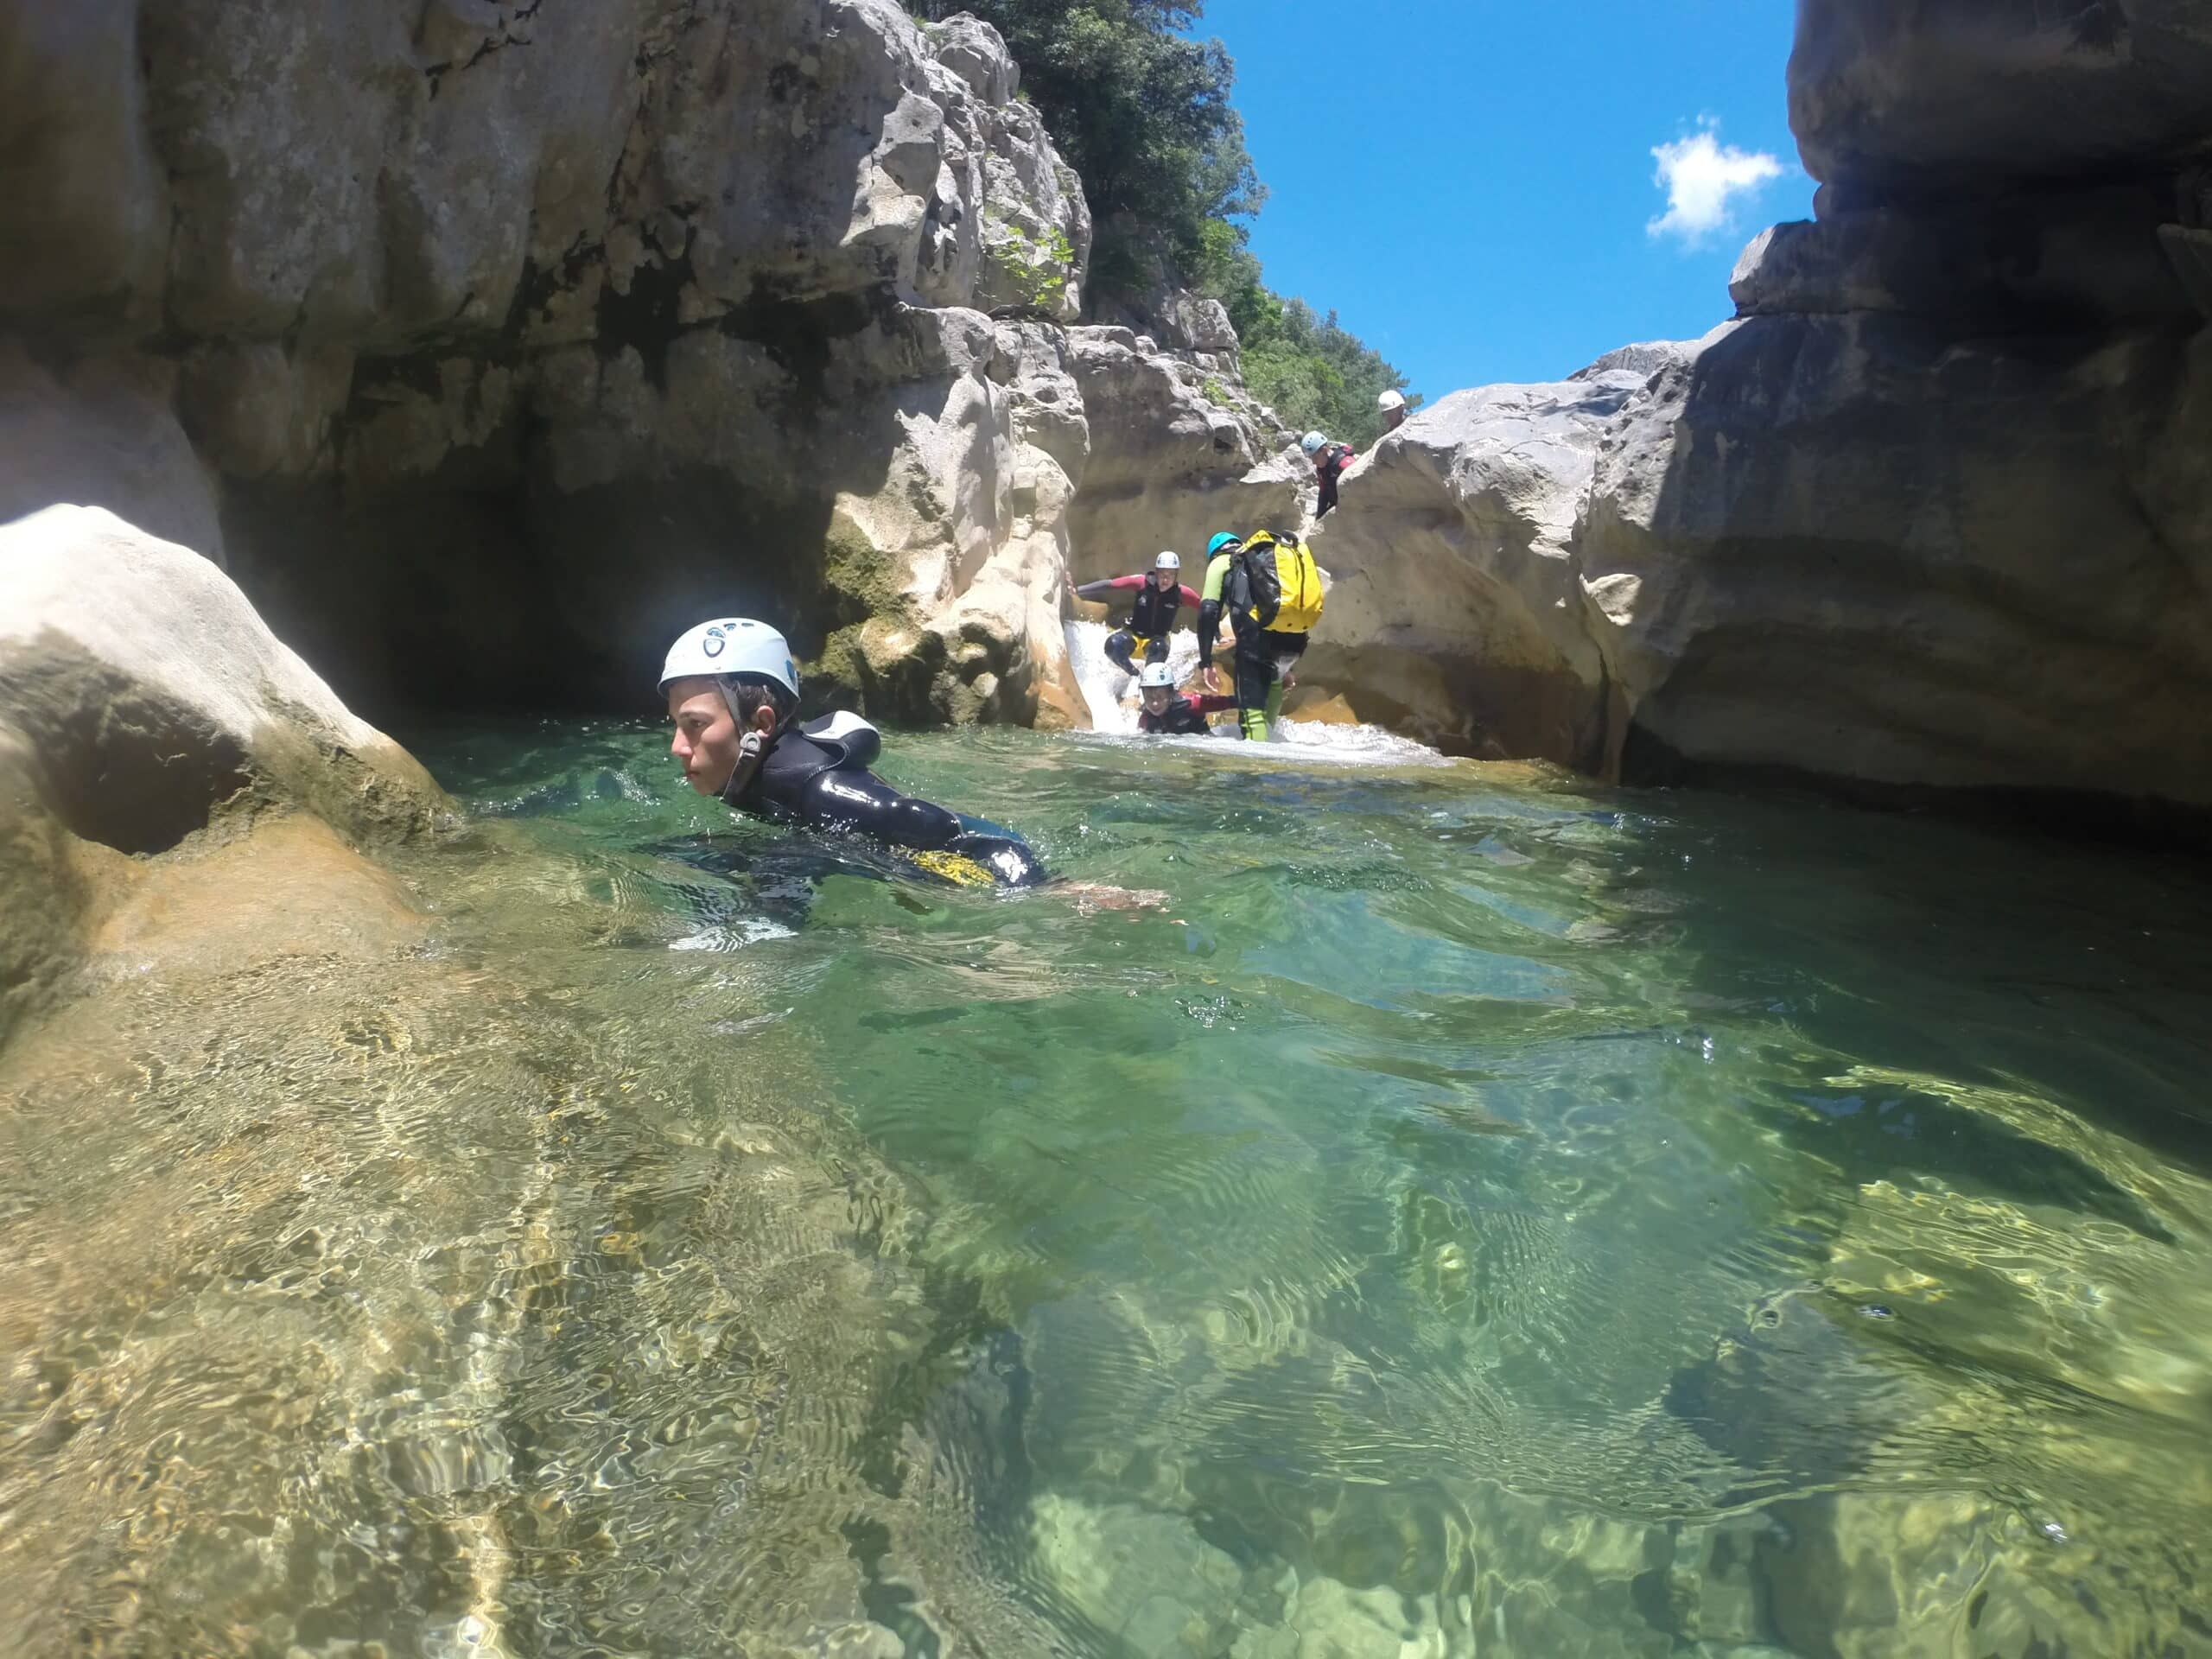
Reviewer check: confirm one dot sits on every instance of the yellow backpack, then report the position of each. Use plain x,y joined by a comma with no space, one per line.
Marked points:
1284,582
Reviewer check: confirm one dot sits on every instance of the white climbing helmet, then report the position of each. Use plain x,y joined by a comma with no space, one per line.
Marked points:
1312,442
735,645
1389,400
1169,561
1156,675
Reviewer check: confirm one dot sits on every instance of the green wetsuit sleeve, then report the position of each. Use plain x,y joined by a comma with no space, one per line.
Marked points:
1210,604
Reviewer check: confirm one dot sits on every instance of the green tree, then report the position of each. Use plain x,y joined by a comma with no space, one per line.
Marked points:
1139,108
1315,374
1142,112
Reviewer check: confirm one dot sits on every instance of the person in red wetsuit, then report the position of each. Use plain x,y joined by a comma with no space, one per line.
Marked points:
1330,462
1169,713
1159,598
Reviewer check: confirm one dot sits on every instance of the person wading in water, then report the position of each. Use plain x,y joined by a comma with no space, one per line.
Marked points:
1169,713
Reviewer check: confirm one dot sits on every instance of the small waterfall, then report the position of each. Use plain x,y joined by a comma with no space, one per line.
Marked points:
1112,695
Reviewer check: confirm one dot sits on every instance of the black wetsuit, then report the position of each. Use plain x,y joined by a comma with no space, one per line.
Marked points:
1261,656
1185,716
1152,618
1328,466
803,782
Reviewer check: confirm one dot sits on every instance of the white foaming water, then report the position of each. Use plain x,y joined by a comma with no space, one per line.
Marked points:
1112,697
1111,694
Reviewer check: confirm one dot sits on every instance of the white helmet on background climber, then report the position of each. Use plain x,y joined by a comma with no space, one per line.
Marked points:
1389,400
1156,676
1312,442
735,646
1168,561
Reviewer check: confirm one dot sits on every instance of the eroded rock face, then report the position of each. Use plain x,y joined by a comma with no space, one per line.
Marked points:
1847,545
1852,546
1178,451
143,705
1455,610
491,344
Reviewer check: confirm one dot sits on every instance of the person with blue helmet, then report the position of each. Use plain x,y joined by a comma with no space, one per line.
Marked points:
1331,462
732,689
1263,659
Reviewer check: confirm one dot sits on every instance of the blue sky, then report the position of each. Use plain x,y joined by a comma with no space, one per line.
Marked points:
1471,182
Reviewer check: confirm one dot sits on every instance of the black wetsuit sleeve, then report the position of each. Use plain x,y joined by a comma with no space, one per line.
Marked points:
1236,596
845,797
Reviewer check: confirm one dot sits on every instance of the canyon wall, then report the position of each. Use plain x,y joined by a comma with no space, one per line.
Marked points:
1934,510
488,345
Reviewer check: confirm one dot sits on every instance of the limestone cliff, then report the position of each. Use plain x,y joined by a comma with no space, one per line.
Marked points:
1935,509
487,345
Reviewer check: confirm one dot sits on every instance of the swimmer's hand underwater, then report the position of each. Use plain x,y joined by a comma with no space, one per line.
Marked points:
1091,897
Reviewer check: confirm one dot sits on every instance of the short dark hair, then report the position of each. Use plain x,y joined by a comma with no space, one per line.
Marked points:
748,697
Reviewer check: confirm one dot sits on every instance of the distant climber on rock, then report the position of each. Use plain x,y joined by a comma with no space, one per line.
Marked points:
733,690
1160,599
1329,460
1391,406
1269,588
1170,712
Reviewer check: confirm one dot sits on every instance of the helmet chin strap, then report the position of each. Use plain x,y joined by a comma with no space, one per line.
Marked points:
752,748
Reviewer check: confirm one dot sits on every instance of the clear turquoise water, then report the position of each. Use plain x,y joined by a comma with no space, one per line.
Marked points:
1474,1215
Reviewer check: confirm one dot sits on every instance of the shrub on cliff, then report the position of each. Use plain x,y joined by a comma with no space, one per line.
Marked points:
1141,110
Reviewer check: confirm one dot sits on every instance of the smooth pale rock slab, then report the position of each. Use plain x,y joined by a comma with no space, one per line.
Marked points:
1455,612
144,705
89,604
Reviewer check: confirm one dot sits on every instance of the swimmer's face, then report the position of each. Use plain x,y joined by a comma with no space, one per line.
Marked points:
1163,580
706,734
1157,698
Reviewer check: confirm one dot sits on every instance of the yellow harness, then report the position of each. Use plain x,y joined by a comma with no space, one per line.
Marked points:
956,867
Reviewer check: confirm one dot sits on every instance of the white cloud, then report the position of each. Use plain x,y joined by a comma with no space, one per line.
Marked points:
1703,177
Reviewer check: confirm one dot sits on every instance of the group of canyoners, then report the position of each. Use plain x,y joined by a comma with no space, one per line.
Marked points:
1268,588
732,687
1265,584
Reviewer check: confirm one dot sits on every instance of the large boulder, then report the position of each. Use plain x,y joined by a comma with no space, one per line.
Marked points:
144,705
1455,610
1849,546
1856,547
